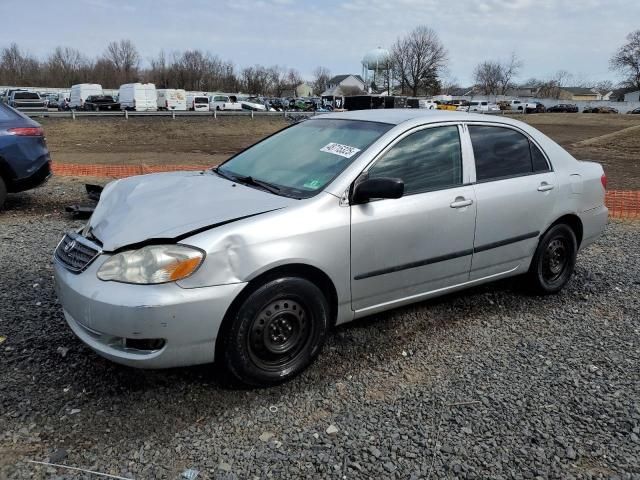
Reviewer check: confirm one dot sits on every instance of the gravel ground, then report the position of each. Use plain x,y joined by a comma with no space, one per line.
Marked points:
485,384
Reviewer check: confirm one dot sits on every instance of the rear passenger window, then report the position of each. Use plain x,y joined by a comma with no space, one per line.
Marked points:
429,159
502,152
538,159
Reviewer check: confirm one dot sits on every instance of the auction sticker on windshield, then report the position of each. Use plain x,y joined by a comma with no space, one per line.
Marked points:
338,149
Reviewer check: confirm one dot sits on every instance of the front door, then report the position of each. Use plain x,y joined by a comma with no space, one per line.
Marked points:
406,247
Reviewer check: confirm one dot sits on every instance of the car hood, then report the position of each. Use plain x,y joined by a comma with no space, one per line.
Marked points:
170,206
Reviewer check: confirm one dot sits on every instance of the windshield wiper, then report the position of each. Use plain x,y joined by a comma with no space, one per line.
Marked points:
222,174
248,180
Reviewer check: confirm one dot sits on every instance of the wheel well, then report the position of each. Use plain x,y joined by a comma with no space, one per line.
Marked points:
575,223
313,274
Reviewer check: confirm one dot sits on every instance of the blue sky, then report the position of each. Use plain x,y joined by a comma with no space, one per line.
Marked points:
575,35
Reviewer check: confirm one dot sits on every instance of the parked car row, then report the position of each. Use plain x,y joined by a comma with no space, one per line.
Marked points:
563,108
603,109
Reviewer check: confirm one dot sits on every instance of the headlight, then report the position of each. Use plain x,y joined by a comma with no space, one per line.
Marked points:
152,264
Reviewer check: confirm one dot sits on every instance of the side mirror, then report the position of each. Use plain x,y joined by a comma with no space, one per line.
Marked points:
382,187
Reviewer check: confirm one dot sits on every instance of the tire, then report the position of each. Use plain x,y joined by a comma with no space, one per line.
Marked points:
276,332
554,261
3,192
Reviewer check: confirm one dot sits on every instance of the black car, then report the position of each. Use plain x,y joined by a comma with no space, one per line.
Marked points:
536,107
94,103
635,111
599,110
24,158
563,108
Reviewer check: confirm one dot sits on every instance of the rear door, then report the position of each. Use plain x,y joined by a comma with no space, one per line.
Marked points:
402,248
515,190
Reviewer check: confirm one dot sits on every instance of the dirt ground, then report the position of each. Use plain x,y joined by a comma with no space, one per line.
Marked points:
154,140
613,140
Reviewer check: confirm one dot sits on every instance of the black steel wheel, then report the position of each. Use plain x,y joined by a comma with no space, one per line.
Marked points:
275,332
554,260
278,333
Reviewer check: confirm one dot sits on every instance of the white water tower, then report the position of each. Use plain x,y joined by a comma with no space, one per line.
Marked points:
374,65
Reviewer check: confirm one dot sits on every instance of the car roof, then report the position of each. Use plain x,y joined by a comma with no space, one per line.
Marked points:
396,116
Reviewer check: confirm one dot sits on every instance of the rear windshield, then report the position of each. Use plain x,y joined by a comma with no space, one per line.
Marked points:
26,96
201,100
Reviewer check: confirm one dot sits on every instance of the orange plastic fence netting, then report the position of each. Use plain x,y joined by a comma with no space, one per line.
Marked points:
115,171
621,203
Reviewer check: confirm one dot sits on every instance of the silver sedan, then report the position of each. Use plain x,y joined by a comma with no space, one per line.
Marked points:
344,215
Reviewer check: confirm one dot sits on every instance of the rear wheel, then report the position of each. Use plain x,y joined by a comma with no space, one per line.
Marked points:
554,260
3,192
276,332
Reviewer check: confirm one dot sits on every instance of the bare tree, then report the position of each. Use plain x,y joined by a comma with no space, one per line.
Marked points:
286,80
66,66
510,69
18,67
627,60
321,77
603,86
417,59
258,79
125,59
487,77
160,72
552,88
496,78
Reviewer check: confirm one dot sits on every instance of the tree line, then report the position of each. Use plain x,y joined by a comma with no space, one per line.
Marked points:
121,63
417,65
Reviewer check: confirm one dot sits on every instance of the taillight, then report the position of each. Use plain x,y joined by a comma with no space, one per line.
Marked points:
27,131
603,179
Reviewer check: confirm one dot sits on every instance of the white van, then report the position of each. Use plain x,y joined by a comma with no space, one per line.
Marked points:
172,99
198,103
141,97
224,102
81,91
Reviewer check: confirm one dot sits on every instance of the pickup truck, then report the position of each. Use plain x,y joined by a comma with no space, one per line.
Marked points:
23,100
100,102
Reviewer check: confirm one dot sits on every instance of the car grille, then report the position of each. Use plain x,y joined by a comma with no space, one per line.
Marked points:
76,253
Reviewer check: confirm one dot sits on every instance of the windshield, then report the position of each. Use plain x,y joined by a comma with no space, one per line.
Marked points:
303,159
201,100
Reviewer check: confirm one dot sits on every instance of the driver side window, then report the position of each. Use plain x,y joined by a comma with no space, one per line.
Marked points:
430,159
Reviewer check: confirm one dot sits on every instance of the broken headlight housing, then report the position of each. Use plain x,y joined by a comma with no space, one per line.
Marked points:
152,264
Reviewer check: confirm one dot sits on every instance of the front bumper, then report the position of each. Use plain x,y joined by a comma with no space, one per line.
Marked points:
108,315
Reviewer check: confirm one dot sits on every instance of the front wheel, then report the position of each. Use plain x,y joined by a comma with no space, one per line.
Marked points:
276,332
554,260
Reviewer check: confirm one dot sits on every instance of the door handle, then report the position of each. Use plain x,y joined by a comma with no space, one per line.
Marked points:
545,187
461,202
